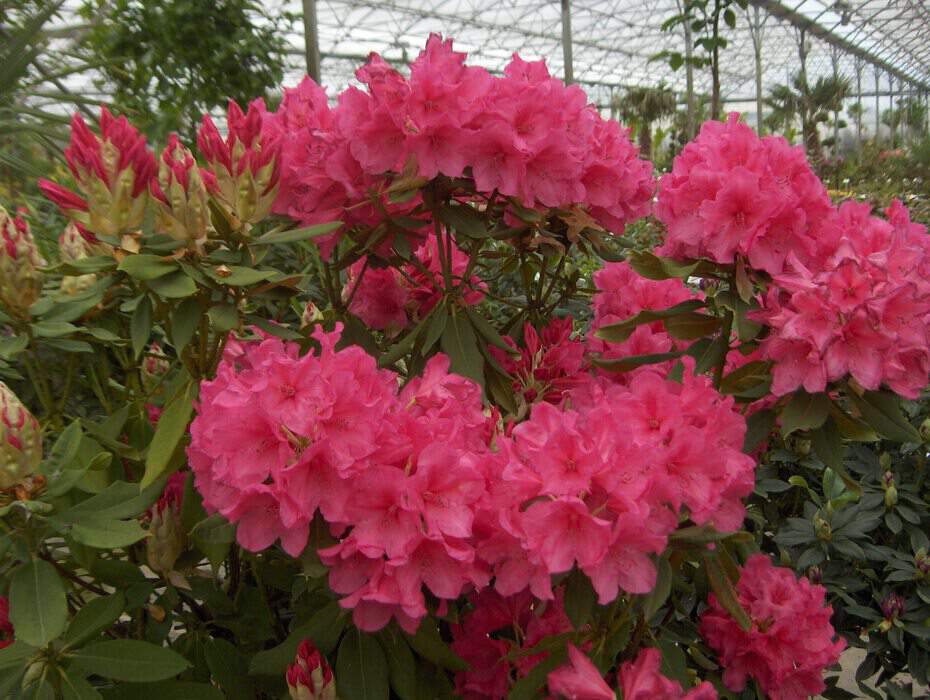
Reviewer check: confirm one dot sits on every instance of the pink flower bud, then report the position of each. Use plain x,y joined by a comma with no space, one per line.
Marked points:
181,194
6,627
112,170
310,315
166,539
310,677
20,279
20,440
246,165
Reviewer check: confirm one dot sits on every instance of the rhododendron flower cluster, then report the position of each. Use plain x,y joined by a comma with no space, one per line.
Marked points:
864,311
621,294
639,680
180,191
732,193
791,640
279,436
485,640
525,135
549,363
601,485
384,298
113,172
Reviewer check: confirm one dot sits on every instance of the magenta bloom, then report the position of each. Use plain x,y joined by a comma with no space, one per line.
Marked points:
791,641
579,679
642,680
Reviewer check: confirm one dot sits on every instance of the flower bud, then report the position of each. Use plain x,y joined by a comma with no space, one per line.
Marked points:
181,193
76,242
922,564
20,279
20,440
822,528
892,607
112,170
246,165
6,627
166,539
310,677
310,315
891,491
925,430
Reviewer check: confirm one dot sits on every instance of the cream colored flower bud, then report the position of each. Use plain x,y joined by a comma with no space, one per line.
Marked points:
20,279
20,440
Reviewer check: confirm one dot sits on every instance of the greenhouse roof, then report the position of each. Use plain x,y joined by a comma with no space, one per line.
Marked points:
614,41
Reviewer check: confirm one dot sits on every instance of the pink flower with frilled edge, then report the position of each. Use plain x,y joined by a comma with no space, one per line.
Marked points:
791,641
579,679
642,680
377,296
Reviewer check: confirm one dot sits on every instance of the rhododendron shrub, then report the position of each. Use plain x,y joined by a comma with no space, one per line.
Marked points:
360,399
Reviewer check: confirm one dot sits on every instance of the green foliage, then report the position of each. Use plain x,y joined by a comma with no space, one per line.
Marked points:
168,63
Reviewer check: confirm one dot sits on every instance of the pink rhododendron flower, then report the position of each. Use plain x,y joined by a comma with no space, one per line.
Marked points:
863,311
642,680
525,135
579,680
791,641
732,193
6,627
377,296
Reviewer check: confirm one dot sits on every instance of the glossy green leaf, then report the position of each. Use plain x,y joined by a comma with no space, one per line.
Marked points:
725,592
690,326
428,643
76,687
107,534
361,668
163,690
626,364
579,599
176,285
464,219
659,594
130,660
882,411
93,618
38,609
804,412
147,267
172,426
619,332
458,341
213,537
402,664
323,629
184,321
224,317
295,235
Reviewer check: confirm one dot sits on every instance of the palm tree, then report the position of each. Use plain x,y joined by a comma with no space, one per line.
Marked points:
811,104
641,106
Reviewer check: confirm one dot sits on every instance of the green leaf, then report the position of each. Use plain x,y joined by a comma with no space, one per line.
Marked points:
172,426
658,595
15,655
828,444
458,341
229,669
653,267
361,669
224,317
625,364
579,599
437,324
130,660
243,276
38,609
76,687
528,687
140,327
804,412
618,332
295,235
147,267
323,630
165,690
429,644
53,329
184,321
749,376
690,326
93,618
177,285
464,219
488,332
402,665
107,534
725,592
882,411
213,537
758,427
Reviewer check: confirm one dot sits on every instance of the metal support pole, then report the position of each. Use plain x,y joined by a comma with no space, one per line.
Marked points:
835,59
859,103
891,115
567,41
757,46
878,107
311,39
689,82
